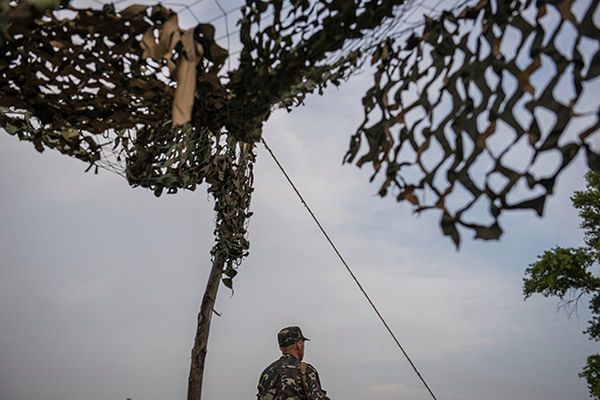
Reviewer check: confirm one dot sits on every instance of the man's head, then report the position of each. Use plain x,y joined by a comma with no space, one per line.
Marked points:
291,341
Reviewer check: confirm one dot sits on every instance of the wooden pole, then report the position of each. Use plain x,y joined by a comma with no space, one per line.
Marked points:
203,329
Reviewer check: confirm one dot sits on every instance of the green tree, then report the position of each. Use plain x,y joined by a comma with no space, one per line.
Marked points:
572,273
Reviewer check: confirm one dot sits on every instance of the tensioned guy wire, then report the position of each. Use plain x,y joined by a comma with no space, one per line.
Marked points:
347,267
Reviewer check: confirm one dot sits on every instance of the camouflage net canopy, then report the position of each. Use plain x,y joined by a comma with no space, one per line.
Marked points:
82,80
130,91
107,87
482,110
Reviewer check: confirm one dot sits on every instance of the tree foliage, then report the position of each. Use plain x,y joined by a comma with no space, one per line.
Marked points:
571,273
591,372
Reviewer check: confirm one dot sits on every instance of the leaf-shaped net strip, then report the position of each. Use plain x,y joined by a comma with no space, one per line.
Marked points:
232,185
452,112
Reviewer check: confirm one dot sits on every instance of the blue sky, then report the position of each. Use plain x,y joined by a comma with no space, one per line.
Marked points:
100,283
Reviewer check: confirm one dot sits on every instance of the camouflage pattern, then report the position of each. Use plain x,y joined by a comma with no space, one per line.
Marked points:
290,335
282,380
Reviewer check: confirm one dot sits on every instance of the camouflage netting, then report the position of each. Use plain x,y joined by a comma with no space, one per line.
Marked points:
101,86
442,97
89,81
105,86
286,49
132,92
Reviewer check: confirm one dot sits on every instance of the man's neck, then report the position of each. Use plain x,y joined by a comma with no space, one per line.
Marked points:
296,356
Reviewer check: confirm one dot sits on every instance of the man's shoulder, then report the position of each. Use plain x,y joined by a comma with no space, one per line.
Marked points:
282,363
286,360
310,367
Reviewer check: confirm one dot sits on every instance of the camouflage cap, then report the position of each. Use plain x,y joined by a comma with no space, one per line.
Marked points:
290,335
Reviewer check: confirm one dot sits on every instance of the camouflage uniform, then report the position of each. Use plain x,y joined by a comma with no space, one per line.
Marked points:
283,379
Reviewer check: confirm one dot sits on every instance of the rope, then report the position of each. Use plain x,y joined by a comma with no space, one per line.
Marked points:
387,327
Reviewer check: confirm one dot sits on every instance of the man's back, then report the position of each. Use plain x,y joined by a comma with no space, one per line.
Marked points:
282,380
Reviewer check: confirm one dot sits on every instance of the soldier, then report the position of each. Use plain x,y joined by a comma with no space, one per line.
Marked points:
289,378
